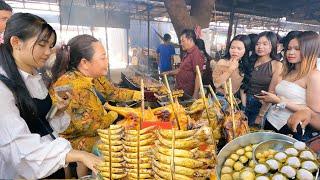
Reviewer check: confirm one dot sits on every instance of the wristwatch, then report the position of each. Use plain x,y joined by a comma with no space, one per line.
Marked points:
281,106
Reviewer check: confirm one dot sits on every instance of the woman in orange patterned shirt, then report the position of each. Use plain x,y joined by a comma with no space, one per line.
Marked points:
82,65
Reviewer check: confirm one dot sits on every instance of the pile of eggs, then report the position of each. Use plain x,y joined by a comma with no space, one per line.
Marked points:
296,162
239,165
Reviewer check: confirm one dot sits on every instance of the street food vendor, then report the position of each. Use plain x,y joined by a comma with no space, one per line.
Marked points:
186,75
82,65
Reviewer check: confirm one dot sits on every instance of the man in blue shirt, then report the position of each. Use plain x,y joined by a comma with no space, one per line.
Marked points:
165,51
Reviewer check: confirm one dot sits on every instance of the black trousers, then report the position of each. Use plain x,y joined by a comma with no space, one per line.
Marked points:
310,132
57,175
284,130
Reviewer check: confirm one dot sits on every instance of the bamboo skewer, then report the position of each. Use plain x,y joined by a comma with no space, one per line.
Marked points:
203,95
215,96
110,160
172,165
139,127
225,88
172,153
236,104
232,107
227,93
171,101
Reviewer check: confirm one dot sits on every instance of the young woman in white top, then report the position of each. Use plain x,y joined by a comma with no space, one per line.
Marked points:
298,88
29,146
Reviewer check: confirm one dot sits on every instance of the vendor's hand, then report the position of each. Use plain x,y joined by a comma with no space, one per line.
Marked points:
302,116
91,161
63,103
268,97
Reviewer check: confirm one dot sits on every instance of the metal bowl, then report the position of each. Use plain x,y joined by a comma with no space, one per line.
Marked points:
251,138
275,144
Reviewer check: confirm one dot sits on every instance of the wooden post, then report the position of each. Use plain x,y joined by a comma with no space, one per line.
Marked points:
128,47
231,18
148,60
235,27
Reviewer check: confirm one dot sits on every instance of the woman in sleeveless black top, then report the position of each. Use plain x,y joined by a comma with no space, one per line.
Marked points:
29,148
261,74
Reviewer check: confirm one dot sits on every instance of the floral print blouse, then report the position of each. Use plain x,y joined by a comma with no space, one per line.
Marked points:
85,108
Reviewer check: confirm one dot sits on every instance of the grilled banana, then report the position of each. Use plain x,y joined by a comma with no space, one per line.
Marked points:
167,175
156,177
142,176
181,170
142,131
113,170
179,134
103,147
142,166
135,161
113,154
114,165
185,162
142,171
113,142
106,175
135,149
177,152
202,154
135,155
180,143
114,126
113,160
142,143
112,132
134,138
112,137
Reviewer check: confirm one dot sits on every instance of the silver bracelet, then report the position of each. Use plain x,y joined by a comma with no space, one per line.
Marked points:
281,106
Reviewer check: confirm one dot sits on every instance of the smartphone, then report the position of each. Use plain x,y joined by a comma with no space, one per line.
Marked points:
260,94
52,112
63,90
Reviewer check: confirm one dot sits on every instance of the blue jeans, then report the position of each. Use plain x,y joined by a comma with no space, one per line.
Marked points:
252,109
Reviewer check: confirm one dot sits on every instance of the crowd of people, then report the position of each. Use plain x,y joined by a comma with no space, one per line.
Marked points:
276,86
276,79
279,92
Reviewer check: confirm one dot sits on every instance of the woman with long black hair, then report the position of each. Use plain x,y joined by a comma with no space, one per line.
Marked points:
29,145
298,88
232,66
262,72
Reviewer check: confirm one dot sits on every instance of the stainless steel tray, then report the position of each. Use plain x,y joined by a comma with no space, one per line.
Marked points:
251,138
